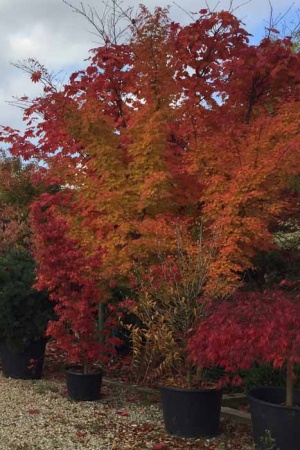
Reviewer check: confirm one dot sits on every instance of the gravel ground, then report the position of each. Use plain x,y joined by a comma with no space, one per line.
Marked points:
37,415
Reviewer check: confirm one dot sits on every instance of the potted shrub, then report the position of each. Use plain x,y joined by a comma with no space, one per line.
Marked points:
260,326
169,301
80,341
24,315
77,339
84,384
24,312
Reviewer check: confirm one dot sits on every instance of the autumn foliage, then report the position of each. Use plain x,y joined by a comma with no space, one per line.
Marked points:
17,191
252,327
71,286
177,124
167,298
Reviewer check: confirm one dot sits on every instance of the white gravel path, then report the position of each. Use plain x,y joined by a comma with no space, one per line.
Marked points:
37,415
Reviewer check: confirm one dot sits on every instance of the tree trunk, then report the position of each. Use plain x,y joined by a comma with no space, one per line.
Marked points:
289,383
85,368
189,378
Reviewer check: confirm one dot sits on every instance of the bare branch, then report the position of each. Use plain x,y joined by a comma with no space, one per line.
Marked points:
234,9
48,79
185,11
212,9
274,22
112,25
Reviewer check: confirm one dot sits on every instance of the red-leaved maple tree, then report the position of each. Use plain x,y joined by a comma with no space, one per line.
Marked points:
251,327
67,274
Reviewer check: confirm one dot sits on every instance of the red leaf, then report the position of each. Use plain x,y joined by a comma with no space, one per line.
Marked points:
80,433
159,446
123,413
33,411
36,76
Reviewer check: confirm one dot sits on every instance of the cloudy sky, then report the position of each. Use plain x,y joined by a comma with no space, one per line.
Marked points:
60,39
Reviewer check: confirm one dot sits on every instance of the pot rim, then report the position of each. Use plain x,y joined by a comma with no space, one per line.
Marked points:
192,390
73,369
250,395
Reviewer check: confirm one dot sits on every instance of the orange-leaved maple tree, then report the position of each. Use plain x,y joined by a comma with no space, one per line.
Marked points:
176,124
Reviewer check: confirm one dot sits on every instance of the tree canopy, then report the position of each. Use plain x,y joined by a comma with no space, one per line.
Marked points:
176,125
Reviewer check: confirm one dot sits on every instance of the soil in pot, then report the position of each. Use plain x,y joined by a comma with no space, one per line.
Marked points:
274,425
191,413
83,386
23,364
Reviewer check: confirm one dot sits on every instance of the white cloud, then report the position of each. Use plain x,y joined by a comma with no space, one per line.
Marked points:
54,49
23,44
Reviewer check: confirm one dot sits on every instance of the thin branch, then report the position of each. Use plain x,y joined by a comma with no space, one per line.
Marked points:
90,17
209,8
185,11
107,25
274,22
233,10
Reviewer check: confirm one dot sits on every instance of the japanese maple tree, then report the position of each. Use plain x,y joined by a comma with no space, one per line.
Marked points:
67,273
252,327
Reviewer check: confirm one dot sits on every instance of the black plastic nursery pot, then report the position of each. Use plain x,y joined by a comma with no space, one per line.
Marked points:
191,413
82,386
23,364
274,425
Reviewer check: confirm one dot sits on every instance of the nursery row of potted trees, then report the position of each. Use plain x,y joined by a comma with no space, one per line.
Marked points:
182,332
178,329
178,334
